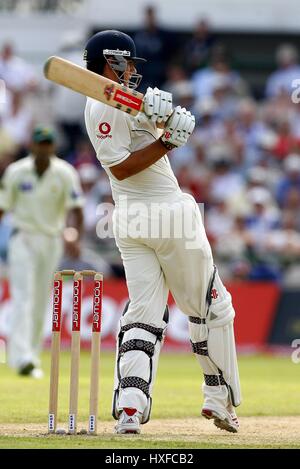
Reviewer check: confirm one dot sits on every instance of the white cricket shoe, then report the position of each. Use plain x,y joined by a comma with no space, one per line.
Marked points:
225,419
37,373
129,422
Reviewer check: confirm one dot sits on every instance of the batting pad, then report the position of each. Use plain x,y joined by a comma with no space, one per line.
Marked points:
213,343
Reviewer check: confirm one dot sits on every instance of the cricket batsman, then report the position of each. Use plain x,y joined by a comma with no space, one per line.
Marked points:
42,191
132,150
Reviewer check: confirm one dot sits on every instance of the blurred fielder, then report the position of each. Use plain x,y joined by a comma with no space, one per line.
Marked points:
133,154
41,191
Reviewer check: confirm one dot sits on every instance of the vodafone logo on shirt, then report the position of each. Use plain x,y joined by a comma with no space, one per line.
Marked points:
104,129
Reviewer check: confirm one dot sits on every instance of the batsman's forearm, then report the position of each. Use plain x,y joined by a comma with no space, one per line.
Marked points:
139,160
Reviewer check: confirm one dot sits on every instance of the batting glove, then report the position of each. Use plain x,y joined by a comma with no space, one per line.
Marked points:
178,129
157,105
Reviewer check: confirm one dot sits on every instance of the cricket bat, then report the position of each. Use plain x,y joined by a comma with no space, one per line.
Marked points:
70,75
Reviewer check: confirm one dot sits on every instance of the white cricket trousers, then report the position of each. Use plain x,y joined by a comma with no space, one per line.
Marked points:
155,265
33,258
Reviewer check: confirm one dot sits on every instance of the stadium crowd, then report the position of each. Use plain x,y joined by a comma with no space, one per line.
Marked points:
242,161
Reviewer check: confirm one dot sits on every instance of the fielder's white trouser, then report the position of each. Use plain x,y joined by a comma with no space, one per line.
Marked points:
153,266
33,259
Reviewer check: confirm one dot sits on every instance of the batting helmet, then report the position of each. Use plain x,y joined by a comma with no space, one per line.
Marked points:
115,48
110,41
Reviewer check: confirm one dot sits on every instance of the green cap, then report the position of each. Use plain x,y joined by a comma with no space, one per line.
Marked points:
43,134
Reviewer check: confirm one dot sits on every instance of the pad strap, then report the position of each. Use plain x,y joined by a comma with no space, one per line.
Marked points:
139,325
196,320
200,348
135,382
138,344
214,380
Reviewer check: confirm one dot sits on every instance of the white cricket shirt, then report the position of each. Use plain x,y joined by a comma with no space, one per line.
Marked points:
114,136
40,204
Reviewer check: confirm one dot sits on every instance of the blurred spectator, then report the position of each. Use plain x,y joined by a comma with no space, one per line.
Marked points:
205,80
17,121
293,202
89,176
69,106
83,154
286,140
289,185
257,176
254,177
285,240
251,131
284,244
20,80
200,176
184,156
175,74
180,86
209,130
17,74
196,50
183,94
8,150
277,107
80,257
224,96
280,81
219,222
85,255
5,233
264,218
151,43
232,250
226,182
264,215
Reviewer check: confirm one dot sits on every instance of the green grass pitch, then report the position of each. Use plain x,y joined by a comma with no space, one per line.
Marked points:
269,412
